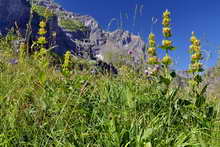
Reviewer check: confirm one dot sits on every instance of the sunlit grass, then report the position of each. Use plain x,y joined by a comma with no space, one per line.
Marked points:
45,106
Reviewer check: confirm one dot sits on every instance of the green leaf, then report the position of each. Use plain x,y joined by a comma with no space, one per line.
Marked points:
164,80
204,89
167,47
42,77
200,100
198,78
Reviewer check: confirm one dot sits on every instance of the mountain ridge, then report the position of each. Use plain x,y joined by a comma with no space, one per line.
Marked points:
91,37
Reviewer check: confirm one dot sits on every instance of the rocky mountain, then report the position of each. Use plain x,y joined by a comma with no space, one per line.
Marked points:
79,33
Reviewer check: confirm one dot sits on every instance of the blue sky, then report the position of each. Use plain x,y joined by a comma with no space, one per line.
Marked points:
200,16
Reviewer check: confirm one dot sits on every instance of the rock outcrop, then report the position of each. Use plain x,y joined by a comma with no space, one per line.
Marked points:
92,39
13,11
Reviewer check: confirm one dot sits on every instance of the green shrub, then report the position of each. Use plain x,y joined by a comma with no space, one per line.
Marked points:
72,25
42,11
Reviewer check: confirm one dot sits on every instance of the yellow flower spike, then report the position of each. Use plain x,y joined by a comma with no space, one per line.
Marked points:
151,50
42,24
166,60
153,60
167,43
67,61
166,13
67,57
42,40
42,31
195,66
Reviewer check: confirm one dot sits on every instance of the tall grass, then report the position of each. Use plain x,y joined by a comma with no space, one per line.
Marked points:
43,106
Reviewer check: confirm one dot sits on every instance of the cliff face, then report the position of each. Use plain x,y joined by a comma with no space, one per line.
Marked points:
12,11
92,37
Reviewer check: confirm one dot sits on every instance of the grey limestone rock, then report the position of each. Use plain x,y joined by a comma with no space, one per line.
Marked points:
18,11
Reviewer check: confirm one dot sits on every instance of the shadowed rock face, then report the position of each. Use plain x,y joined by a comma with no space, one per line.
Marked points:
64,38
12,11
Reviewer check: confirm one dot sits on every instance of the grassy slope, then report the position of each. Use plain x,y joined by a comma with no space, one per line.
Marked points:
42,107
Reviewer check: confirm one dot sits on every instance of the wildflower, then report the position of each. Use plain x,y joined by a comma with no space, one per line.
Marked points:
41,55
42,31
166,60
130,52
152,43
156,69
151,50
166,21
196,42
166,14
196,67
195,48
167,32
196,56
67,61
146,72
152,71
13,61
100,57
167,43
151,36
153,60
43,51
41,40
42,24
193,38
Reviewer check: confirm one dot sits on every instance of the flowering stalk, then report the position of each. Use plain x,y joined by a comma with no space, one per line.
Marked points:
195,68
41,54
166,43
67,62
196,56
151,50
41,41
